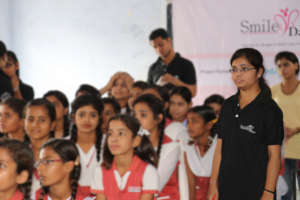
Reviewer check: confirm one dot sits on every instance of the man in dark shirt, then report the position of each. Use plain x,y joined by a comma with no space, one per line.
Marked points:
5,86
170,67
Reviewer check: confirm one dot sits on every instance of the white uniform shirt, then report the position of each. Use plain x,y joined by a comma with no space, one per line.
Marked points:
178,132
200,165
36,185
168,160
88,163
150,179
69,198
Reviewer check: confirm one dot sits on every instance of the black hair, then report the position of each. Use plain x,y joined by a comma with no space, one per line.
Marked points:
255,58
2,49
214,98
169,87
17,105
290,56
207,114
67,151
13,58
64,101
23,157
110,100
47,105
96,103
140,84
87,89
157,107
184,92
162,91
164,96
144,151
160,32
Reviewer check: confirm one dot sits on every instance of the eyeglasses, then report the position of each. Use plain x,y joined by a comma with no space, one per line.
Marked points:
242,69
45,162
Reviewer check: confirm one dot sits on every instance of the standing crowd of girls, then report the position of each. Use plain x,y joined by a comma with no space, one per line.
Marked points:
146,142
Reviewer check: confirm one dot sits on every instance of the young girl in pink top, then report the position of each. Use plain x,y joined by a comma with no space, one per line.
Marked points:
128,170
200,150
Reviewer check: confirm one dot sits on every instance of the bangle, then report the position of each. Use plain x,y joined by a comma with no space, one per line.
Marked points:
16,89
270,191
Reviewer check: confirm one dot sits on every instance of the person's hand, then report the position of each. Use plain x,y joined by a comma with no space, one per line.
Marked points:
128,79
168,78
110,83
213,193
267,196
112,80
15,82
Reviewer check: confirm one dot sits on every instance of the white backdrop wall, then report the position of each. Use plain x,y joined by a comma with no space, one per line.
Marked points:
64,43
5,25
209,31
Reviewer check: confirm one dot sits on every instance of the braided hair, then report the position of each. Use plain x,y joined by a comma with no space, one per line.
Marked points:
157,107
97,104
22,155
67,151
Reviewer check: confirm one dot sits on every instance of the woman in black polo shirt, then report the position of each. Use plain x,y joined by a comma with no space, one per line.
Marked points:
247,157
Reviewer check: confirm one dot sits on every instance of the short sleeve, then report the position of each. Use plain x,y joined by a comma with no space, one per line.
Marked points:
273,126
177,132
150,180
26,91
189,73
150,75
218,126
97,181
169,156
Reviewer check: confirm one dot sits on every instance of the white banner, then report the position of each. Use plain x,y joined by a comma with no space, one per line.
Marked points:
209,31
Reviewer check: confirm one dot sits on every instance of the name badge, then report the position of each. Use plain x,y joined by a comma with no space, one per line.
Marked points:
134,189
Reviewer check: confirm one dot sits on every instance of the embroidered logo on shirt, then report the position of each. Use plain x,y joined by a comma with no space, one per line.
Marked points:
134,189
250,128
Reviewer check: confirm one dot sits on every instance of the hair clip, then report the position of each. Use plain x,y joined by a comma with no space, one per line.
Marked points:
143,132
214,120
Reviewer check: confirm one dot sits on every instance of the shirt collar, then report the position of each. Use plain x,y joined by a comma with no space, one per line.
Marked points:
160,61
263,96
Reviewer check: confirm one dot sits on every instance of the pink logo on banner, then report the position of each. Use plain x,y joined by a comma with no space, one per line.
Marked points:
286,19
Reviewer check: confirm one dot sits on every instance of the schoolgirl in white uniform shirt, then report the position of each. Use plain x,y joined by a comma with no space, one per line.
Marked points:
148,109
86,133
128,169
39,125
200,150
59,170
180,103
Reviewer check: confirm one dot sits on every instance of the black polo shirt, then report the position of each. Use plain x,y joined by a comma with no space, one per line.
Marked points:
26,91
179,67
5,86
246,134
